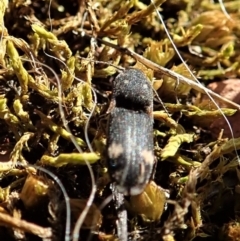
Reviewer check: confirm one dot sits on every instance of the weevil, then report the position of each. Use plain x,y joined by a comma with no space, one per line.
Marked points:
130,132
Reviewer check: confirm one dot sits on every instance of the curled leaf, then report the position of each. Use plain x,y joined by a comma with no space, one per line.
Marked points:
174,143
34,191
149,204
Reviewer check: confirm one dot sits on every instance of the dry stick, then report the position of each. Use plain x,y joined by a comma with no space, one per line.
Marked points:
118,199
9,221
181,78
171,74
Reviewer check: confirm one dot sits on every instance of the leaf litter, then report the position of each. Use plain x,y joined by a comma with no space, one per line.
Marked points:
58,59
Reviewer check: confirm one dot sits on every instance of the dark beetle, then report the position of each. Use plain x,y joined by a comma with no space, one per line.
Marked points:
130,132
132,90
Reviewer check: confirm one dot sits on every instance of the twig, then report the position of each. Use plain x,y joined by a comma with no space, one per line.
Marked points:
118,199
171,74
9,221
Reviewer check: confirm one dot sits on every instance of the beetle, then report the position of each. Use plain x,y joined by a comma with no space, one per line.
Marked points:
130,156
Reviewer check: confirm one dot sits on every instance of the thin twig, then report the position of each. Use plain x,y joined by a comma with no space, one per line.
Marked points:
171,74
9,221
